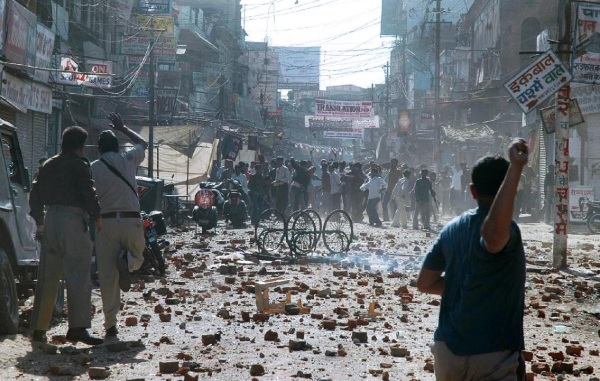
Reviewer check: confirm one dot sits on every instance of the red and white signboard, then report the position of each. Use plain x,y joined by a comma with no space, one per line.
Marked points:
578,197
100,74
350,109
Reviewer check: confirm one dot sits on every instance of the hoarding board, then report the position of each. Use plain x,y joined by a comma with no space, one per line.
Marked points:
538,81
299,67
154,6
321,123
356,133
44,47
139,45
585,60
578,197
163,26
350,109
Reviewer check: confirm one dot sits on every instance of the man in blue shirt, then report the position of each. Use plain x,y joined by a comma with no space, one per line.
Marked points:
477,265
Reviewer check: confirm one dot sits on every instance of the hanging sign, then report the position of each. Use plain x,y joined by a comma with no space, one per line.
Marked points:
352,109
538,81
585,60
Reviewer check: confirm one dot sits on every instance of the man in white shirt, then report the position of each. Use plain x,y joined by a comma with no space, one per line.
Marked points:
240,177
281,184
335,181
456,190
400,195
120,210
376,185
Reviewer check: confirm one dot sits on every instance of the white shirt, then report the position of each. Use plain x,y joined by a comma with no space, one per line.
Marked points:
374,186
113,194
335,182
456,175
401,188
283,174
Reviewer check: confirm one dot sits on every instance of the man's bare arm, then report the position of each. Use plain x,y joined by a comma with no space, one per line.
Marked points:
430,281
118,125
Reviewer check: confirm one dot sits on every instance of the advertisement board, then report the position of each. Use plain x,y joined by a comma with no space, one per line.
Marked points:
349,109
71,75
356,133
21,25
299,67
40,98
154,6
585,60
321,123
538,81
139,45
16,91
44,47
163,26
578,197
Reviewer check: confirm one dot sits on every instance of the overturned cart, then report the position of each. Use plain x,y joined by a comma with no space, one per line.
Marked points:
302,231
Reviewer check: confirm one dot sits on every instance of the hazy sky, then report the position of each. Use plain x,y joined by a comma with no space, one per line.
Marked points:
352,52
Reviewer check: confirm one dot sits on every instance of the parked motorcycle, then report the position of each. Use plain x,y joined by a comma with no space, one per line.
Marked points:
593,216
154,226
235,210
222,188
205,212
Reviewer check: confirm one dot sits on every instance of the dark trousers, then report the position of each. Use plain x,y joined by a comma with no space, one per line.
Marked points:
335,201
357,199
281,201
372,211
258,206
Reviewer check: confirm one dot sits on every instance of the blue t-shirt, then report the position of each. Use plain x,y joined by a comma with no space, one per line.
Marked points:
483,298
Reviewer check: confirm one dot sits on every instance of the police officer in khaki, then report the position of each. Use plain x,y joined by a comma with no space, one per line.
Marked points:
65,189
114,174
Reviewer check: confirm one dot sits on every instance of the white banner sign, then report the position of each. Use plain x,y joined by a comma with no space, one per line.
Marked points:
351,109
356,133
40,98
538,81
336,123
16,91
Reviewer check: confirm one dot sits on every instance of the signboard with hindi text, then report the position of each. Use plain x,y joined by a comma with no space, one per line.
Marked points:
538,81
578,198
586,46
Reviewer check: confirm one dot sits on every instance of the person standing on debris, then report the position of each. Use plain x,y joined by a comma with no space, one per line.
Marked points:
114,174
335,183
375,186
61,198
281,185
400,194
477,265
423,192
258,192
388,199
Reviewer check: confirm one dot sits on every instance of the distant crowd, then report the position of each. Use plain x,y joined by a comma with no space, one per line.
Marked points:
405,196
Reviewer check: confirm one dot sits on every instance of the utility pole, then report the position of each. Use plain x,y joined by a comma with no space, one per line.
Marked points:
561,146
437,136
151,117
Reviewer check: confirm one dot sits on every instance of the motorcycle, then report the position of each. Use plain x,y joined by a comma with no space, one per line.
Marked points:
205,212
154,226
222,189
593,216
235,210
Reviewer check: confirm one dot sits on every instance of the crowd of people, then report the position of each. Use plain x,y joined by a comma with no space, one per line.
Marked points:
407,197
476,264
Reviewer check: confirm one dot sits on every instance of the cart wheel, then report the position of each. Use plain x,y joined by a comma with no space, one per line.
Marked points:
338,231
302,233
269,232
317,218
